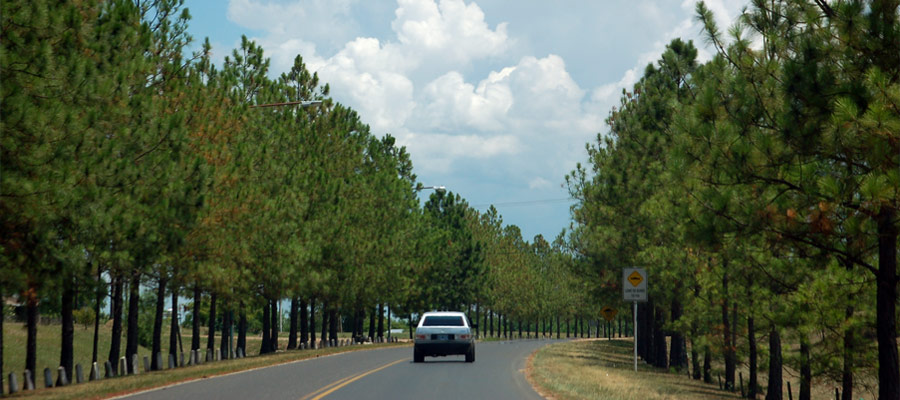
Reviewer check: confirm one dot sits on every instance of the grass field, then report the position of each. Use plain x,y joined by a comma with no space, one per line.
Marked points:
48,345
14,340
601,369
133,383
15,337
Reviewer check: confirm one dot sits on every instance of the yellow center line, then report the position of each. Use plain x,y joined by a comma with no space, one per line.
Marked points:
328,386
331,388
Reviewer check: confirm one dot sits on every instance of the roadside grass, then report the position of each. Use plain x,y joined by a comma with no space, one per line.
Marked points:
133,383
15,337
48,347
604,370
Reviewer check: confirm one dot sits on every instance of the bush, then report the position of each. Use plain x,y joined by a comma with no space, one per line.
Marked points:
84,316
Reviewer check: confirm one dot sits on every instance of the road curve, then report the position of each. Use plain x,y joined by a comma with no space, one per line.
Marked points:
497,373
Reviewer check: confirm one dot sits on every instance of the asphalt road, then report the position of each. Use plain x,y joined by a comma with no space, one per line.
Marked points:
497,373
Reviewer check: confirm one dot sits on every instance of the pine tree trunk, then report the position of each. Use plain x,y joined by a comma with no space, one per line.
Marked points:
174,327
195,323
225,343
31,311
805,370
372,322
304,322
728,350
312,321
847,373
131,342
292,330
116,307
381,320
157,322
707,368
265,346
659,338
211,333
645,333
774,389
411,326
492,323
557,326
677,356
695,360
242,330
2,317
752,384
67,347
886,299
332,324
98,300
325,316
354,324
276,316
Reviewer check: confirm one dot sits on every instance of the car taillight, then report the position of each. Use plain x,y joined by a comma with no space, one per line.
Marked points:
464,337
422,337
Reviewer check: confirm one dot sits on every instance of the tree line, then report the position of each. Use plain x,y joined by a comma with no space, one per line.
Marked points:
131,165
760,190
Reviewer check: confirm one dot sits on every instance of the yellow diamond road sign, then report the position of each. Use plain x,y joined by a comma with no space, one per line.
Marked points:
634,285
609,313
635,278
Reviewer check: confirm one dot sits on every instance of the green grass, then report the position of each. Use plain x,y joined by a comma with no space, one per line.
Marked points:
15,337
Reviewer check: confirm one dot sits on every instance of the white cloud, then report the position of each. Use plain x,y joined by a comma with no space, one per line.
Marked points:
314,21
725,13
452,29
474,106
450,103
438,152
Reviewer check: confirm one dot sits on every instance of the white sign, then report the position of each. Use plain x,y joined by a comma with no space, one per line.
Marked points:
634,284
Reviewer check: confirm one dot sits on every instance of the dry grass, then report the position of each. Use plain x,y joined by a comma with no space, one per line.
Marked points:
601,369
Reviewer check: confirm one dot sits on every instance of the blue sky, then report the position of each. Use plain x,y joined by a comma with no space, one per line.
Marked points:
494,99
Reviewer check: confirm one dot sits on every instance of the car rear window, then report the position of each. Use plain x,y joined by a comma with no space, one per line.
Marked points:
443,321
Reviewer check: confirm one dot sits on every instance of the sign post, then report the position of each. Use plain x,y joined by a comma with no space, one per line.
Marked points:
634,289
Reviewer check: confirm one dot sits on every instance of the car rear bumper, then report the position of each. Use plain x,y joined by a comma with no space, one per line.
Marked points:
432,349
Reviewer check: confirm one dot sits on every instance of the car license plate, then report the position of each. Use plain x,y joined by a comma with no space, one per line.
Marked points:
442,337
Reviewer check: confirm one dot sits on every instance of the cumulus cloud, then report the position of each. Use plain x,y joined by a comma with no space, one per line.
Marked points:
452,29
472,108
313,21
449,103
688,28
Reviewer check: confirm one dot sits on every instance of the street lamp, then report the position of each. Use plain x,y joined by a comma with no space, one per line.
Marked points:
439,189
303,104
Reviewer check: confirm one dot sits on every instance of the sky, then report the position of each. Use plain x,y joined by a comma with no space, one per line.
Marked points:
493,99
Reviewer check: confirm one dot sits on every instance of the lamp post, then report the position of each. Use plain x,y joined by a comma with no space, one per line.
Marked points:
439,189
303,104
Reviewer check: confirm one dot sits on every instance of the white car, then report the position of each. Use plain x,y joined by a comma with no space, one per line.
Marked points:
442,333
